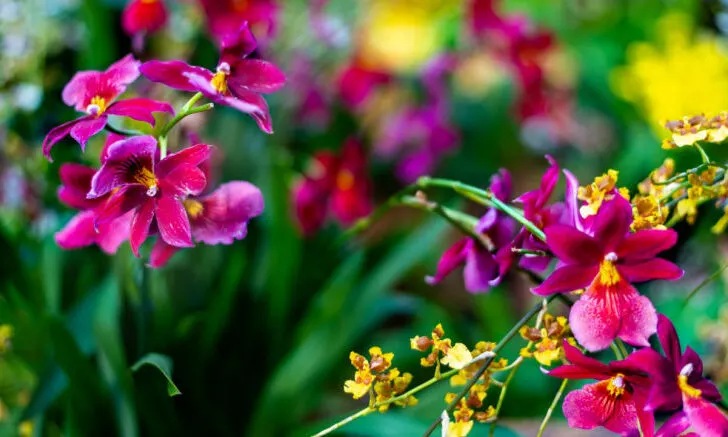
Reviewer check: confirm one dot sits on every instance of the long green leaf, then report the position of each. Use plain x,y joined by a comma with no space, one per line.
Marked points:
162,363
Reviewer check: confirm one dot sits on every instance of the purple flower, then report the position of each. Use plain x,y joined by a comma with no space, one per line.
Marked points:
237,82
94,93
484,267
606,263
154,189
678,384
221,217
81,231
616,402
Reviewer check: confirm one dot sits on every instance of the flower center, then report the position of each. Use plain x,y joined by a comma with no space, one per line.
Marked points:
145,177
97,106
608,274
616,386
219,80
193,207
682,382
345,180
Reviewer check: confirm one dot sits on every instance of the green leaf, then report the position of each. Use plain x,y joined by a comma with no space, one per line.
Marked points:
162,363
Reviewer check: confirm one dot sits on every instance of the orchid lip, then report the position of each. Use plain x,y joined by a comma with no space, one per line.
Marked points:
611,257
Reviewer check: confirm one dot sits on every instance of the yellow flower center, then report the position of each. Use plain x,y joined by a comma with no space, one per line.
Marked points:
682,382
219,82
345,180
608,274
97,106
193,207
145,177
616,386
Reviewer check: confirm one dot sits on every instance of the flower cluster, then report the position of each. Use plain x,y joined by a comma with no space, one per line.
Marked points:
141,190
546,343
376,378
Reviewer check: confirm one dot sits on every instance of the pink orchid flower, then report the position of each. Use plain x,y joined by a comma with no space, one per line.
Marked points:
154,189
237,82
606,262
678,384
220,217
224,17
94,93
616,402
336,184
81,231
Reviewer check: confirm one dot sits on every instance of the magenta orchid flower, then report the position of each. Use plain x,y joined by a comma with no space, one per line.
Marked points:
220,217
154,189
537,210
616,402
339,185
606,262
237,82
484,267
678,384
356,83
94,93
81,231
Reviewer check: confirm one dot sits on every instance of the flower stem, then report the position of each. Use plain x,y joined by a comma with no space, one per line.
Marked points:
339,424
505,340
516,364
703,155
617,352
551,409
187,109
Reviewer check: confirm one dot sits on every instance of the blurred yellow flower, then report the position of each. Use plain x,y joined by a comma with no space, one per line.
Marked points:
6,335
401,35
676,74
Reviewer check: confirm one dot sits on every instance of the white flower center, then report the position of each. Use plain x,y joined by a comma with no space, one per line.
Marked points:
224,67
687,370
152,191
618,382
611,257
93,109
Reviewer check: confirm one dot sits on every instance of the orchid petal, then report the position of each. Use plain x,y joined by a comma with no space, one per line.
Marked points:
174,74
139,109
612,223
573,246
655,268
567,278
174,226
257,76
644,245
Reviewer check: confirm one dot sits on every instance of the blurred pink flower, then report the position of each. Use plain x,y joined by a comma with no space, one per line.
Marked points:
94,92
143,17
356,83
138,180
333,184
224,17
237,82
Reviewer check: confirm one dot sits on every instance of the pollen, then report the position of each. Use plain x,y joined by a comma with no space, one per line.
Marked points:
97,106
145,177
193,207
616,386
608,274
345,180
219,82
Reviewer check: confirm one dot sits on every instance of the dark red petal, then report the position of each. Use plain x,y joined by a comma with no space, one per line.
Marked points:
567,278
161,253
669,340
174,226
193,156
573,246
173,74
185,180
83,130
119,203
57,133
577,358
612,223
623,419
257,76
676,425
655,268
139,109
140,224
645,245
138,150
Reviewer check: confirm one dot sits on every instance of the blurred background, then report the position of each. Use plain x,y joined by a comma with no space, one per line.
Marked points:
256,335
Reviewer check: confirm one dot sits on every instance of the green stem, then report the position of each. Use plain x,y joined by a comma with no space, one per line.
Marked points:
703,155
502,395
617,352
162,147
344,421
622,347
551,409
705,282
187,109
505,340
464,222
